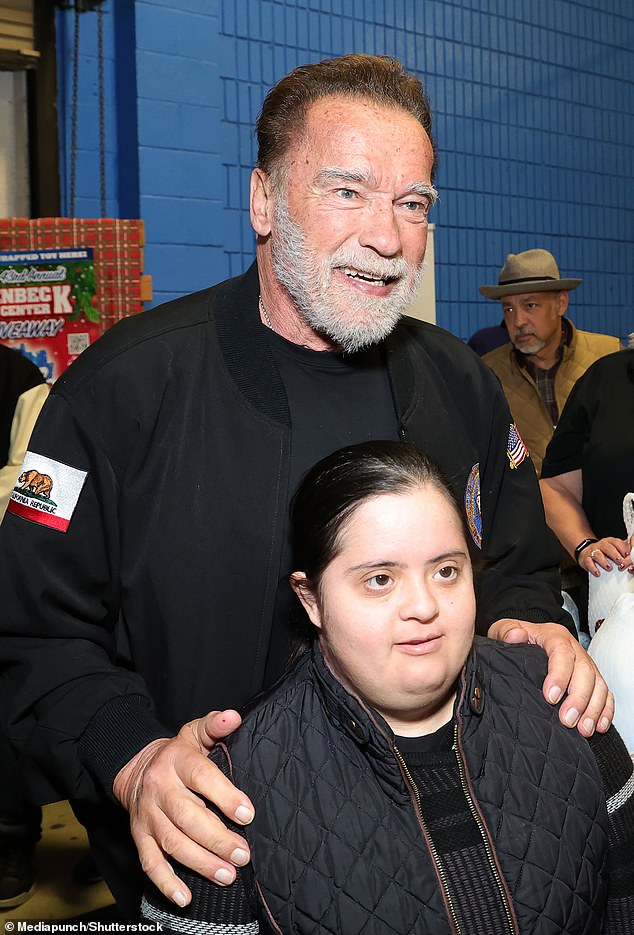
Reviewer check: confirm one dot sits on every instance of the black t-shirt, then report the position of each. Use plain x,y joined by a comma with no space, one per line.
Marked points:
441,740
334,400
596,434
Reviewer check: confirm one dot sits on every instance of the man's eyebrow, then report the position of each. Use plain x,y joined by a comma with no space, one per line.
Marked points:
525,299
339,174
426,191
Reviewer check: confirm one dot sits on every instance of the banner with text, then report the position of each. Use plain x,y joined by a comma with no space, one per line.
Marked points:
48,306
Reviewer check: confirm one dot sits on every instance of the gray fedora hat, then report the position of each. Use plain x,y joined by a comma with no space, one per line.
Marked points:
531,271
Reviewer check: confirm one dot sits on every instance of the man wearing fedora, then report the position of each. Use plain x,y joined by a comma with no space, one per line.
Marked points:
546,354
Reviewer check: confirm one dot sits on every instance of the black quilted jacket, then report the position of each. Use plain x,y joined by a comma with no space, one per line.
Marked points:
336,844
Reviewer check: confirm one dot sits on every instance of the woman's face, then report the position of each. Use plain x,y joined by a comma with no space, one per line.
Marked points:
396,607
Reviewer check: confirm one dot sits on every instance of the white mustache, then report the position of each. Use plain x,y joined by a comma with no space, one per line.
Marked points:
372,266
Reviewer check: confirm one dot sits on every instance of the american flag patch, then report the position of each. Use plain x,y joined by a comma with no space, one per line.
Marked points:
516,450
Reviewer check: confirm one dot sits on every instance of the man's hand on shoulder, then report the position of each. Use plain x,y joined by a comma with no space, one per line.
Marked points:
161,788
590,704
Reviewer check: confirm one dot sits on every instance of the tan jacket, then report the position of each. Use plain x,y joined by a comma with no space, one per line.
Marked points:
529,410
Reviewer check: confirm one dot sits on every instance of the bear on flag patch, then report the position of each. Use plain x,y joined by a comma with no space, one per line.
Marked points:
46,491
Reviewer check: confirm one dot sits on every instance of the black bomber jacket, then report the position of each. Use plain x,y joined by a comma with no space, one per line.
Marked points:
122,628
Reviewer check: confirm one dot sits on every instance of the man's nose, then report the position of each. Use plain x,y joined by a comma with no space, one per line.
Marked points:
380,231
514,320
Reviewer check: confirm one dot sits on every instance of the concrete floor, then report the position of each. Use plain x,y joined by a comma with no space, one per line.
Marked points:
56,896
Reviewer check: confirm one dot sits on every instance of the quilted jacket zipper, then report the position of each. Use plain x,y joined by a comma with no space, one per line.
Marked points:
432,847
480,825
483,832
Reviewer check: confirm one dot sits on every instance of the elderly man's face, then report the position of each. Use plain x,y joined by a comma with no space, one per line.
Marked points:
350,225
533,320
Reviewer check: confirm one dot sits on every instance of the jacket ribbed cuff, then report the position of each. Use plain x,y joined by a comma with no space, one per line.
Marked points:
539,615
115,734
531,614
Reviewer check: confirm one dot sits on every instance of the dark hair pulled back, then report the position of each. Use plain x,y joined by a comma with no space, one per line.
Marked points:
332,490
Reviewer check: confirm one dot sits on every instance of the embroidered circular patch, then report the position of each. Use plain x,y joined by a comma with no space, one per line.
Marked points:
472,505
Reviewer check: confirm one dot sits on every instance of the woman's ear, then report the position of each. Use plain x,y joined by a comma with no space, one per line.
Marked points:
307,595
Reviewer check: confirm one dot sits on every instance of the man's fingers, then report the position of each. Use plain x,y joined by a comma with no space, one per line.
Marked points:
177,824
561,648
160,871
508,631
196,772
206,856
179,765
587,701
204,777
214,726
167,840
587,698
607,715
190,822
570,669
163,788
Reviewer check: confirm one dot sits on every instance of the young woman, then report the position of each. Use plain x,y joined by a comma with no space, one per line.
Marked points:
407,778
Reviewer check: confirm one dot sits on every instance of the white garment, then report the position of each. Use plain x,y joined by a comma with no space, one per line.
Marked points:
612,648
605,590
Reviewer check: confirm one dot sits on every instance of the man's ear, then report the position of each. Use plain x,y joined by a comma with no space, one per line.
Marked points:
307,595
562,303
261,202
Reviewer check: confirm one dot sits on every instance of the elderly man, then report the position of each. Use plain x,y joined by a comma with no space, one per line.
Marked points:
546,354
158,590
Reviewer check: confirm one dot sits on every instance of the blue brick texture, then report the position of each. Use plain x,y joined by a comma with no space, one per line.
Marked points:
533,106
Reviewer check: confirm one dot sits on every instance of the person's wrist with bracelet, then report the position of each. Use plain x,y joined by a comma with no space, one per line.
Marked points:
583,545
605,553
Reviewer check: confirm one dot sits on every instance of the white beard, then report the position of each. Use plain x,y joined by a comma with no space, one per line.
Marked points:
534,347
352,321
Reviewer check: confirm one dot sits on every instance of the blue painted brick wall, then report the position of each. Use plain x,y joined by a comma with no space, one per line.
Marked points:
87,163
533,119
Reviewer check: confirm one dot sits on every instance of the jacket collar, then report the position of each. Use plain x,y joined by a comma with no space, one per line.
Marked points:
369,731
245,348
251,365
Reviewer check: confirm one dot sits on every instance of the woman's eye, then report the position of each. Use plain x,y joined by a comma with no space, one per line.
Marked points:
447,572
378,582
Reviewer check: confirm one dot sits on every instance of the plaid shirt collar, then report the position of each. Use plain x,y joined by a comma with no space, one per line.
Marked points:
545,379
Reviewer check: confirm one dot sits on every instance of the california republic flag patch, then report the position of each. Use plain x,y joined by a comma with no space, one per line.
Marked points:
46,491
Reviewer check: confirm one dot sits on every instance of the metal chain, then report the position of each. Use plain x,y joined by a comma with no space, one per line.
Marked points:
73,137
102,112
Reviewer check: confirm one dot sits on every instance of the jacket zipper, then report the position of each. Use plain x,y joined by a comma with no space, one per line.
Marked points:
432,847
483,833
